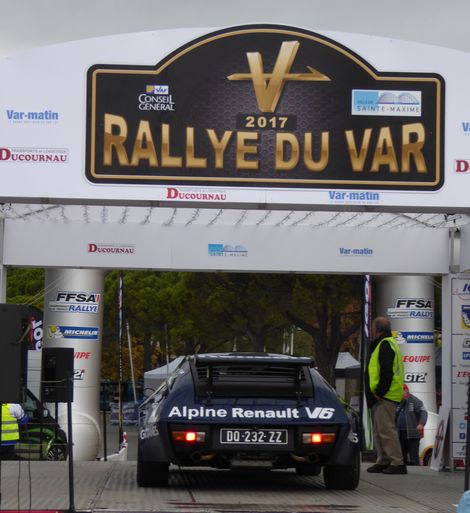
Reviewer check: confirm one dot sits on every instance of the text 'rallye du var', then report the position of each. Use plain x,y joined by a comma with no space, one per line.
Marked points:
248,411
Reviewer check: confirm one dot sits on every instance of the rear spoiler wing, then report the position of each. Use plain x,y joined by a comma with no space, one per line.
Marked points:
237,375
213,359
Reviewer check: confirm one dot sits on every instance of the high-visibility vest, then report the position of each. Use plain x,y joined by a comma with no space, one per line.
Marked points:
10,431
395,391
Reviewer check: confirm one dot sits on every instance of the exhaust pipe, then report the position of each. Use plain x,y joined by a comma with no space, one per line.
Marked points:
311,457
198,456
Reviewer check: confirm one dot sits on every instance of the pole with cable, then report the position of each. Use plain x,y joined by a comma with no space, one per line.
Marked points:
467,444
120,362
131,362
367,315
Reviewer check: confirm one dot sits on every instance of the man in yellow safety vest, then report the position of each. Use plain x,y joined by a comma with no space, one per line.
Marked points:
12,413
384,381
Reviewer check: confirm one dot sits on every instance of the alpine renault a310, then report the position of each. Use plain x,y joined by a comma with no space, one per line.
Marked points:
248,411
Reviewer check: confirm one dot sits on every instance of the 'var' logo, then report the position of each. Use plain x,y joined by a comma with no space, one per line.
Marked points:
268,86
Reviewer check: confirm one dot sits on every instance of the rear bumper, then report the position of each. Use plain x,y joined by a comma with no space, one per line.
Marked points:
213,453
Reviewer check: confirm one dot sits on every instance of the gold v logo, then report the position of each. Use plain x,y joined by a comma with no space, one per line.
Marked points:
268,86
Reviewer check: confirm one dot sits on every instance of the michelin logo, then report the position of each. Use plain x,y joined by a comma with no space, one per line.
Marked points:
414,337
72,332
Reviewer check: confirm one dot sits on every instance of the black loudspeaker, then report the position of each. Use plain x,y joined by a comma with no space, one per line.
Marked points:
57,375
14,324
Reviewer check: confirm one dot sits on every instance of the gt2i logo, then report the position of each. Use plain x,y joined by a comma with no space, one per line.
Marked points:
415,377
78,374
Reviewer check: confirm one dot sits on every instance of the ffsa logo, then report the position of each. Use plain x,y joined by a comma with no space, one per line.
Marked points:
268,86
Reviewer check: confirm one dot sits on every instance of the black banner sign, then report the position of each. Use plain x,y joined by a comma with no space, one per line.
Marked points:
265,106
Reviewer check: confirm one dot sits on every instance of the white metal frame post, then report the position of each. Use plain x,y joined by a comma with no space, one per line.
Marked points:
3,269
446,354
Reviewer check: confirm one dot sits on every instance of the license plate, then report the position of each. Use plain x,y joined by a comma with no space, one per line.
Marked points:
254,436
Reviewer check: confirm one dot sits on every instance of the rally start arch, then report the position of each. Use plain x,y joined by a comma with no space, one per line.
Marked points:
258,147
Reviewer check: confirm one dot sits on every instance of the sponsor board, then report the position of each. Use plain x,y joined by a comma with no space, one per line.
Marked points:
73,332
227,250
414,337
460,288
82,355
250,413
34,116
465,317
362,197
251,127
466,127
355,252
110,249
75,302
462,374
385,103
174,193
156,97
461,165
78,374
412,308
34,155
148,432
421,358
416,377
36,332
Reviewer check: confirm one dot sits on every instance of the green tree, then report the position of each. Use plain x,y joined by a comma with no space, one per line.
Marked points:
25,286
328,308
239,305
146,306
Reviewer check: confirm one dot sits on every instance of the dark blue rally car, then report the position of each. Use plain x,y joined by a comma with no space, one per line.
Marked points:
248,411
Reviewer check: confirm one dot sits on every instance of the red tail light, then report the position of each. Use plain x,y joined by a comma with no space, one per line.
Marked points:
318,438
188,436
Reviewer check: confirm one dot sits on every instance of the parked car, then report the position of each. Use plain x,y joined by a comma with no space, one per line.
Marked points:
41,438
244,411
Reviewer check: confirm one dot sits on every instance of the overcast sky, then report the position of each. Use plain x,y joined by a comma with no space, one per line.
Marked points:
28,23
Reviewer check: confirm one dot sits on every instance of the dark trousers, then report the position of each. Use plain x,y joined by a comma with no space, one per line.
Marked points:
7,452
409,448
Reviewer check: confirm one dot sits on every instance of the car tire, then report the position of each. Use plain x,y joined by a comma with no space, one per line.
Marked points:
151,473
56,453
338,477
